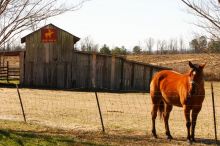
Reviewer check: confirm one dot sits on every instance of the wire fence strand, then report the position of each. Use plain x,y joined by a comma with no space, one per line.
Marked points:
121,111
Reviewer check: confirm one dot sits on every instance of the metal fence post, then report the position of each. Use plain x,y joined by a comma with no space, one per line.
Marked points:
213,107
100,112
22,108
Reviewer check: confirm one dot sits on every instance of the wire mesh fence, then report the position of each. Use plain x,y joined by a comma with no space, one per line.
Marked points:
120,111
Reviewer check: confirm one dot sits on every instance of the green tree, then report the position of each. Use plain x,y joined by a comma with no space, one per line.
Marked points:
194,44
199,44
119,51
105,50
214,46
202,43
137,49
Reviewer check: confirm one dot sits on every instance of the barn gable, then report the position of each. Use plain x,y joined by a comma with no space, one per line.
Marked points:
56,50
75,38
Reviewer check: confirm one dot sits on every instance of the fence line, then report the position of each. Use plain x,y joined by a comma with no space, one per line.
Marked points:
120,112
9,73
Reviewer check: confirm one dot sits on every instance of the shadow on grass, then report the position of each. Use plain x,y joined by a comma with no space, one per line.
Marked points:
65,138
149,140
12,138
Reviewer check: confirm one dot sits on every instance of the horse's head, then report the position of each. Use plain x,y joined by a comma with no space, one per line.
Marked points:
196,72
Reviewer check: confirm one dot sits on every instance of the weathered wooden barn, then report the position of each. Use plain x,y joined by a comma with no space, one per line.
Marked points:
51,61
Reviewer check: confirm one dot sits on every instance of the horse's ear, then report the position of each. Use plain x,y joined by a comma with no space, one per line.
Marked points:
191,65
203,65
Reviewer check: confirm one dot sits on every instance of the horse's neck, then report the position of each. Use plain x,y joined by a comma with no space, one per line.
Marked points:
198,82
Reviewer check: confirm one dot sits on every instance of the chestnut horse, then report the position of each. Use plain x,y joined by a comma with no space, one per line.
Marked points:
170,88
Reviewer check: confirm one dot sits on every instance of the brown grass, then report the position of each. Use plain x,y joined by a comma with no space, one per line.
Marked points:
179,62
126,117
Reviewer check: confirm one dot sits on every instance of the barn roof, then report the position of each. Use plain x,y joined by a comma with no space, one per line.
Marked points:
74,37
11,53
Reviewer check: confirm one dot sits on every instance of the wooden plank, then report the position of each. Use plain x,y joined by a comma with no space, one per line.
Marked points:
60,75
29,73
138,77
126,72
99,71
88,75
113,73
145,79
69,75
47,53
117,78
53,77
122,75
94,70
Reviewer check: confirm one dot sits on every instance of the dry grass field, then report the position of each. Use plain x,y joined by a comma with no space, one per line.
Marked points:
126,116
179,62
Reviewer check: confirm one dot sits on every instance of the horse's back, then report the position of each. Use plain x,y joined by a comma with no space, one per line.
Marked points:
165,84
162,76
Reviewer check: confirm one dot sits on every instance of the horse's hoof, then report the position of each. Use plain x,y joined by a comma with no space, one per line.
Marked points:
169,137
189,141
154,136
193,140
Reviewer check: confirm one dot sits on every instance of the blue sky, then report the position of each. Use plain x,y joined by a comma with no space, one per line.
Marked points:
128,22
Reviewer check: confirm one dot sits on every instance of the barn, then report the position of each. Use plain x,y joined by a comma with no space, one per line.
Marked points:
51,61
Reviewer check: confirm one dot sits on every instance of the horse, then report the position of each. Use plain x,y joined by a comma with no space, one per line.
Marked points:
169,88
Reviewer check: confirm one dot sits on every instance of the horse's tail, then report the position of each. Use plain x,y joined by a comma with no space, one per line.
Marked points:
161,109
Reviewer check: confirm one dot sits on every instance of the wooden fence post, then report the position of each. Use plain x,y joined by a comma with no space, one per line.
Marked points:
21,66
213,107
22,108
100,112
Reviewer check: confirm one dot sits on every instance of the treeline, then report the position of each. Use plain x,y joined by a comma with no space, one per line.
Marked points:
173,46
198,44
9,48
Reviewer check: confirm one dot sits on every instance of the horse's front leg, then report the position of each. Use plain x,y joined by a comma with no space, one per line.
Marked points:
187,117
195,113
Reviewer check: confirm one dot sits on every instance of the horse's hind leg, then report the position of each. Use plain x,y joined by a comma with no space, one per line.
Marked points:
154,116
166,115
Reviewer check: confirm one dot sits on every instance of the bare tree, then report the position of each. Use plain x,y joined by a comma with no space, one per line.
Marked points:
161,46
171,45
158,46
87,44
208,14
149,44
181,45
17,16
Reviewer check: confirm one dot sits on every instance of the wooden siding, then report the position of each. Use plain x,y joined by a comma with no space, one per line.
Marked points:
57,65
89,71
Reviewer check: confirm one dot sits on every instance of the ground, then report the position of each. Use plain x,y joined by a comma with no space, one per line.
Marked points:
56,117
126,117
